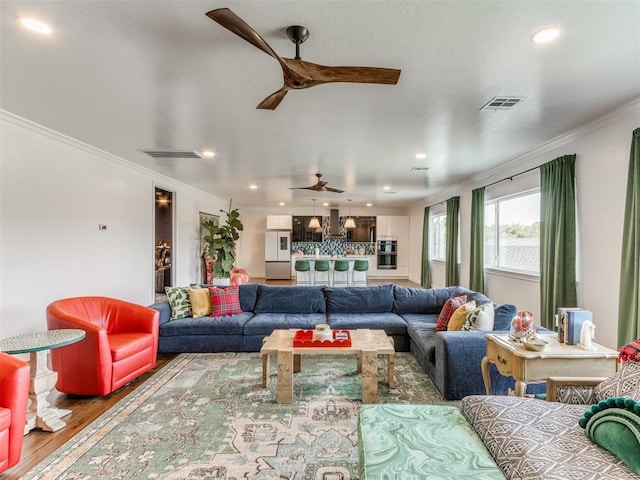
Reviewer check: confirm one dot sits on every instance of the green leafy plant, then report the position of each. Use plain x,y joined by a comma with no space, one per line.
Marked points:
221,241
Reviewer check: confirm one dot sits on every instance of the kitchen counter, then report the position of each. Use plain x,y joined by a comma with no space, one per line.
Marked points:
296,256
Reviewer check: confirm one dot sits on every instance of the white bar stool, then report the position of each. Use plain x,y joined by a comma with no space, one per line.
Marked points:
359,276
303,272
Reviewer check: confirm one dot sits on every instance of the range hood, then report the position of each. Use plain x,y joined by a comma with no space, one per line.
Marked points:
335,230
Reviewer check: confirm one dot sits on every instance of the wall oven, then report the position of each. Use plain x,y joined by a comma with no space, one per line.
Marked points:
387,254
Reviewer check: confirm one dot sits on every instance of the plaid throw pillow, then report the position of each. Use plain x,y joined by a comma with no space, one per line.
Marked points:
630,353
449,307
225,301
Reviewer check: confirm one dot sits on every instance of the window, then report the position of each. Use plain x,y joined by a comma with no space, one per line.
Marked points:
439,236
512,233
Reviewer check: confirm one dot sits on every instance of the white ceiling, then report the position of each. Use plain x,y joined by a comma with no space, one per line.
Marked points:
130,75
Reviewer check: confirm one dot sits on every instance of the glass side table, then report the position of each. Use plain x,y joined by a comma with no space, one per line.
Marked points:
40,413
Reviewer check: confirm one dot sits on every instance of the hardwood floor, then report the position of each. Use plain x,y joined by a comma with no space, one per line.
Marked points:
38,444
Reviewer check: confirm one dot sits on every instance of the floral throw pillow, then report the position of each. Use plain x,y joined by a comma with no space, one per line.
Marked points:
625,383
225,301
449,307
179,302
480,319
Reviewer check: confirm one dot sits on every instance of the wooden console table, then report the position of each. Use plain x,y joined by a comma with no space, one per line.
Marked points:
556,360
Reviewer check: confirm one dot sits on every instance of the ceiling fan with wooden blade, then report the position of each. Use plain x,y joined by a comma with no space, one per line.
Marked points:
299,73
321,186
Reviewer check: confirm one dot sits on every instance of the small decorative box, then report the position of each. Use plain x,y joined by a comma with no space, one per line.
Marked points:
304,338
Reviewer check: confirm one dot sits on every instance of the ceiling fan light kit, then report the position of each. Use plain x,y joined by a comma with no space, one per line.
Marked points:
299,73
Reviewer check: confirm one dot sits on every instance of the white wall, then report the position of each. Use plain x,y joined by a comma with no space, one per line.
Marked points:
602,149
54,193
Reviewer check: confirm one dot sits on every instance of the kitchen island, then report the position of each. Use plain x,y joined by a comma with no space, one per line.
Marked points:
331,258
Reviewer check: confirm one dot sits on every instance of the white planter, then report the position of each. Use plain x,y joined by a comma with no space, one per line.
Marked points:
222,282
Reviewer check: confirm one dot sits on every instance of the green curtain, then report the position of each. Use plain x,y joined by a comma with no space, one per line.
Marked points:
453,213
425,273
557,237
476,258
629,305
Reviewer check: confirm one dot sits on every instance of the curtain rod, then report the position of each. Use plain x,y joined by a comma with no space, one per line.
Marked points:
510,177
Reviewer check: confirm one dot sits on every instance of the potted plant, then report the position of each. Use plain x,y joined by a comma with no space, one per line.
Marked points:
221,243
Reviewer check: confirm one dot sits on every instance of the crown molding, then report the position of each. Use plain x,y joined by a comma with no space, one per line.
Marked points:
157,178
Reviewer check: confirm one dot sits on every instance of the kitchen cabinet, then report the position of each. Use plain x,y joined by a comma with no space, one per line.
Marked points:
279,222
386,227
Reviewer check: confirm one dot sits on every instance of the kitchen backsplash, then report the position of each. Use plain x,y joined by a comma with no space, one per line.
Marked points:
334,246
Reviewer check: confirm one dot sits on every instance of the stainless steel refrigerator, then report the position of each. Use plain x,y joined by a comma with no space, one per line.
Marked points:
277,255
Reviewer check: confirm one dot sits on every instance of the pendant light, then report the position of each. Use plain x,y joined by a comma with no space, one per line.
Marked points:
314,223
350,223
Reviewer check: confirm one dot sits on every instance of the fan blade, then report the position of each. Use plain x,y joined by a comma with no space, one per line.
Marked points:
334,190
235,24
273,100
318,74
315,188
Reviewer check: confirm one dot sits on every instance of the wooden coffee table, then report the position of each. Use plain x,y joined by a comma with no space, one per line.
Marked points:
556,360
366,344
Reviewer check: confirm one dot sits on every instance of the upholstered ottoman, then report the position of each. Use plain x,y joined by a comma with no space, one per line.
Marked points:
399,441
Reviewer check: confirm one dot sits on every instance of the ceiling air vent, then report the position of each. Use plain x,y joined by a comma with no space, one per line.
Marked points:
502,103
172,153
419,169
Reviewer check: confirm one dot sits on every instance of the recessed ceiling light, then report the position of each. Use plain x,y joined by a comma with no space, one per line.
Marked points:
208,153
35,26
420,156
253,187
545,35
281,204
386,187
325,204
369,204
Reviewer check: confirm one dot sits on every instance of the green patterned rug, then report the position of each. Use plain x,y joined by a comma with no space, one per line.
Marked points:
205,416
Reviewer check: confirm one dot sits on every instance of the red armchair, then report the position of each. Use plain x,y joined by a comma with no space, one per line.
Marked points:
121,343
14,393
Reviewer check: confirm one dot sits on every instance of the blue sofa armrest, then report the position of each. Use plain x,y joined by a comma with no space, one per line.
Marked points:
165,311
457,371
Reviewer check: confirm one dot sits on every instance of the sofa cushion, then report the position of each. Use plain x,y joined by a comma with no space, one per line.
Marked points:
479,298
503,314
481,318
226,325
225,301
200,302
378,299
448,308
531,438
265,323
419,300
179,301
248,296
625,383
295,300
614,424
391,323
457,319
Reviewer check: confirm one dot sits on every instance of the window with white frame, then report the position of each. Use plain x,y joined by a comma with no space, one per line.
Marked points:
512,233
439,236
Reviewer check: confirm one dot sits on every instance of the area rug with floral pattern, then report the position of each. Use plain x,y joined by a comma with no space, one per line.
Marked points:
206,416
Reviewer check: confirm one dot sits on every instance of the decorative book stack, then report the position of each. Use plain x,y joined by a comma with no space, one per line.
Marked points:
570,321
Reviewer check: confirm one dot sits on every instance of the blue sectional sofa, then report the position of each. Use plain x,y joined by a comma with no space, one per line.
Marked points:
409,315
